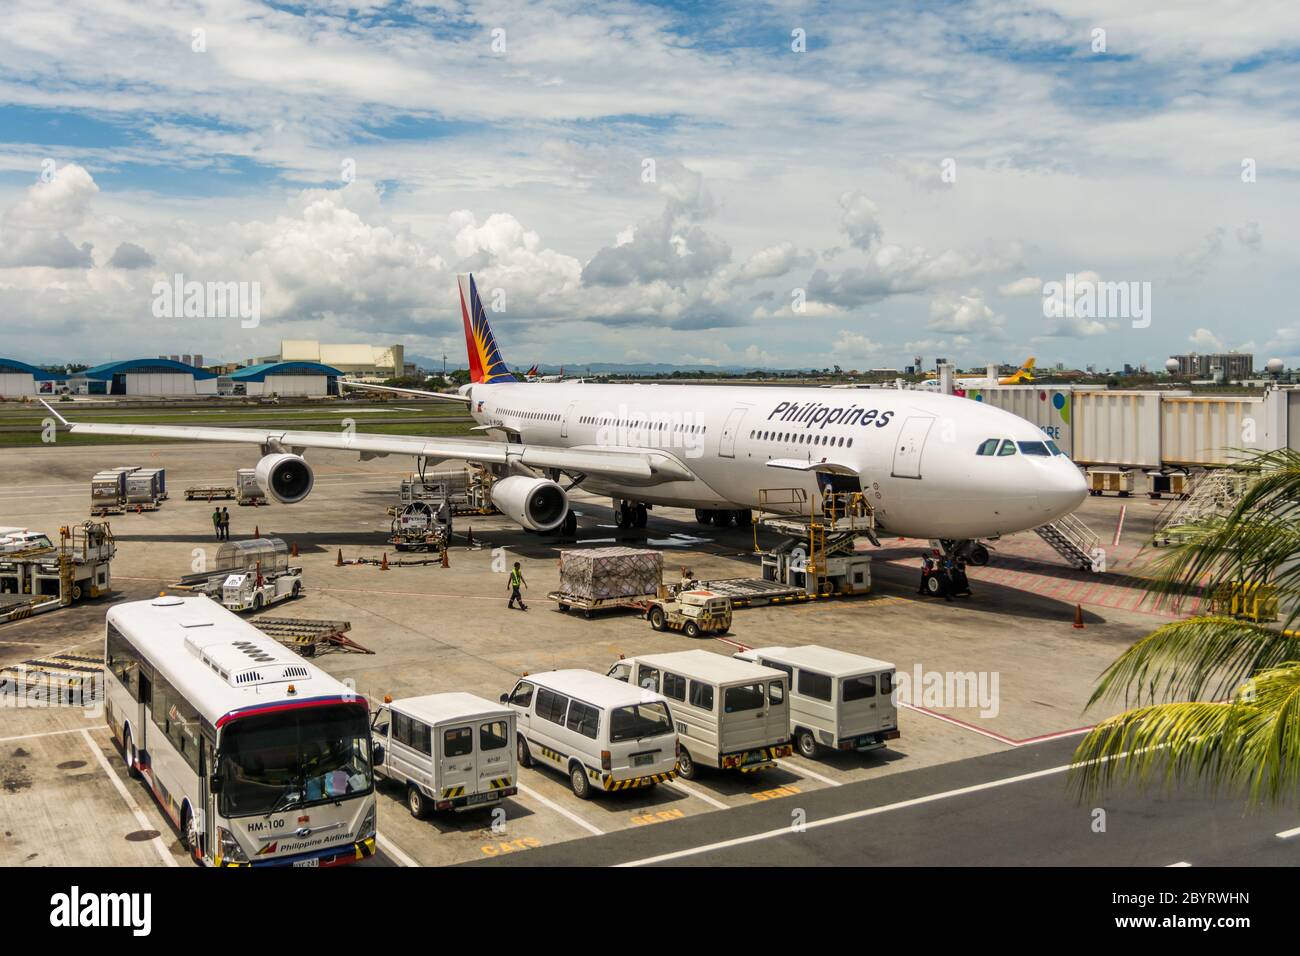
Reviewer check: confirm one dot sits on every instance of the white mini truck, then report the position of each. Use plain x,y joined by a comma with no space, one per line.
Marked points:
730,714
451,751
838,700
601,733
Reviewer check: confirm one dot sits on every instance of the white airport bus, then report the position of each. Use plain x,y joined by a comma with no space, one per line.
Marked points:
258,757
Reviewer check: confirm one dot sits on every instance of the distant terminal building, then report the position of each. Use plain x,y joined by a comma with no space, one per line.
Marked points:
288,379
146,376
1234,365
373,362
18,379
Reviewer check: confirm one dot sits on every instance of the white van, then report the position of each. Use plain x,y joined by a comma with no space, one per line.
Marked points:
452,751
600,732
838,700
730,714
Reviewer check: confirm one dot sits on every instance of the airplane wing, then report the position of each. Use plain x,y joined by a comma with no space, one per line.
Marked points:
649,466
393,389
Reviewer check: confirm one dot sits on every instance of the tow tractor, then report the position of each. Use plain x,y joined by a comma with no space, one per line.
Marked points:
693,611
249,575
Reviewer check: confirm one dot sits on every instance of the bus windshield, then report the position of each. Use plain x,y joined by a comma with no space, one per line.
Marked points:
279,761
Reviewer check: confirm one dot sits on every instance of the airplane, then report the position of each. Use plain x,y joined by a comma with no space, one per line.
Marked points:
535,375
932,466
1020,376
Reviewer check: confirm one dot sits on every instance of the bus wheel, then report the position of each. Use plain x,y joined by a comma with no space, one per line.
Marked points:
806,742
578,782
415,802
128,751
188,841
525,758
685,765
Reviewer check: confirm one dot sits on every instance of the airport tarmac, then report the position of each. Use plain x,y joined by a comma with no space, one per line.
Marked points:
65,797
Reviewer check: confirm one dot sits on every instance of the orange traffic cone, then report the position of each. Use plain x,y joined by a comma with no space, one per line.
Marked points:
383,565
257,531
339,562
1078,616
445,562
293,552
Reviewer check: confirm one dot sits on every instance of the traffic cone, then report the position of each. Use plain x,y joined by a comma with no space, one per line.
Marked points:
257,531
293,552
339,562
383,565
1078,616
469,536
445,562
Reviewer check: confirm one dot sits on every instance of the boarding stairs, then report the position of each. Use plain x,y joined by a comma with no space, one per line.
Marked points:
1074,541
1211,493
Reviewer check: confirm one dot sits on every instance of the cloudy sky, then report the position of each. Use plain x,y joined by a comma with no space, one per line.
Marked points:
779,184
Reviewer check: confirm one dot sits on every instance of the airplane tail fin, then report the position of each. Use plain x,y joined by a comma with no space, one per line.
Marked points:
485,363
1026,373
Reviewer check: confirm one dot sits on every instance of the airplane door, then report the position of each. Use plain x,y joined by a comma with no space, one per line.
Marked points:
911,442
727,443
564,423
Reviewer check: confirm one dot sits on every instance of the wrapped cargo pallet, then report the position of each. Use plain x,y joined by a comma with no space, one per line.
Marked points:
599,574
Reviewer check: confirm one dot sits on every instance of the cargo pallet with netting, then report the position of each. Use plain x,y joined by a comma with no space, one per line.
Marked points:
597,579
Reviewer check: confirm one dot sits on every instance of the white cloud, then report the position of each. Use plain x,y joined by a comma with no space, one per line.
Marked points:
964,314
1029,285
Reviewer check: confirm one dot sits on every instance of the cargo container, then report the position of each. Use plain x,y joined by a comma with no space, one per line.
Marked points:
141,491
107,492
159,480
595,578
1176,484
1050,408
247,490
1113,480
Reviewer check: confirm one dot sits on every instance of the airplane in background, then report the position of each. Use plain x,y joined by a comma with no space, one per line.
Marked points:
932,466
1021,376
534,375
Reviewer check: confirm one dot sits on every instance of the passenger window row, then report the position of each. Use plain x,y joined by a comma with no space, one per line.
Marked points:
660,426
528,415
579,717
795,438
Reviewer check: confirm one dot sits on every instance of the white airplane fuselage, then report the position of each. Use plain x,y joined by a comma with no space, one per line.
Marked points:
915,453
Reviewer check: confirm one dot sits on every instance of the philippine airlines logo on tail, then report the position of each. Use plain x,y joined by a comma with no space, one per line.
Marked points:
485,362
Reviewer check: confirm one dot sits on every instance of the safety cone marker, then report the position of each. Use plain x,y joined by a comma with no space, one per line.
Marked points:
383,565
339,562
1078,616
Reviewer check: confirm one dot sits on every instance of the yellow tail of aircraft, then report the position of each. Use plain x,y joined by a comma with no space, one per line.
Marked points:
1024,374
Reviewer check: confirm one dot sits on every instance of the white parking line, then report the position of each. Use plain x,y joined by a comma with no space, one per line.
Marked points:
1180,863
48,733
1288,834
550,804
140,818
801,771
395,851
681,785
843,817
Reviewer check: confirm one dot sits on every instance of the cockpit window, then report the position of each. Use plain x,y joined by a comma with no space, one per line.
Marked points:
989,447
1034,448
1053,448
1008,447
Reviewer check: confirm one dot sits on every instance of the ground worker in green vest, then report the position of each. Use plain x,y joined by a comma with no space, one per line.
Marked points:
517,581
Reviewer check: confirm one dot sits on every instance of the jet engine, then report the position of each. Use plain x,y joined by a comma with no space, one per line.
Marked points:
535,503
286,478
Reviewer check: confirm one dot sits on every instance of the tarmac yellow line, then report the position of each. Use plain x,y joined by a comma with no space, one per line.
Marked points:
140,818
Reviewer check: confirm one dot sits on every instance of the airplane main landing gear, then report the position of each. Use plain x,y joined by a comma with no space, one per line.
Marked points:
631,515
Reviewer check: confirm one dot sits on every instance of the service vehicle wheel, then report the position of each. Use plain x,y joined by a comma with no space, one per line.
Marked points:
578,782
641,516
297,589
128,752
564,608
691,629
806,742
521,751
258,601
685,765
932,584
657,618
979,555
703,517
76,592
415,802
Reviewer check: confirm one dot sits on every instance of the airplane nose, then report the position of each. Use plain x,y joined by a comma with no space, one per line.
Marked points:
1062,492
